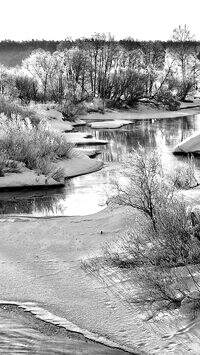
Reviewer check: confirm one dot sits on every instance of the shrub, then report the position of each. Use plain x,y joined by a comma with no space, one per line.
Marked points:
27,88
37,147
58,174
7,166
166,98
183,87
184,176
160,254
71,110
96,104
125,87
144,183
2,164
10,110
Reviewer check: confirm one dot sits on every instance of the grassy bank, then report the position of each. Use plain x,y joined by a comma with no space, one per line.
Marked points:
37,146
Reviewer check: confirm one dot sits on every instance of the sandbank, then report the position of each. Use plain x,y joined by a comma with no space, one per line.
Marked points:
144,113
80,138
27,179
109,124
80,165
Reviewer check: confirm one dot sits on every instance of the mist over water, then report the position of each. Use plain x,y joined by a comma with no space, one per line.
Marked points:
88,194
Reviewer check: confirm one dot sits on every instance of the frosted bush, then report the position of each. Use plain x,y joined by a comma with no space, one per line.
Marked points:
38,147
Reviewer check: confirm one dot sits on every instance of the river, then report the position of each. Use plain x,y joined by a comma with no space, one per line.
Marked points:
23,333
88,194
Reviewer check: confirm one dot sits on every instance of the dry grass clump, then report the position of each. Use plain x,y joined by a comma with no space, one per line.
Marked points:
37,147
8,166
13,110
184,175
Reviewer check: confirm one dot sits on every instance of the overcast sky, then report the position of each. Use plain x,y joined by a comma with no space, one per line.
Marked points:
59,19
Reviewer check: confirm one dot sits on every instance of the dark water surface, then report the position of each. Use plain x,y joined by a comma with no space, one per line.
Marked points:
88,194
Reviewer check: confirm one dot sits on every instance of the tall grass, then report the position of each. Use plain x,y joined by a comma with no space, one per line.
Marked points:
184,174
36,146
11,109
7,165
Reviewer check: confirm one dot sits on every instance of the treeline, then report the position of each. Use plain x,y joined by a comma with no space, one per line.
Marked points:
52,46
26,45
119,73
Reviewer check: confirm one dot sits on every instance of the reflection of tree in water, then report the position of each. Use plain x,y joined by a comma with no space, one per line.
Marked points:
123,140
43,205
175,130
151,133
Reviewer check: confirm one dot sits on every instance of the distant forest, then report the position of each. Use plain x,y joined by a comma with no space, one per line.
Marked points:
52,46
120,73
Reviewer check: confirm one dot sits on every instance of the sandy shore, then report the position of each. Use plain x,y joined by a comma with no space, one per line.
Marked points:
43,337
27,179
78,164
82,164
143,112
40,263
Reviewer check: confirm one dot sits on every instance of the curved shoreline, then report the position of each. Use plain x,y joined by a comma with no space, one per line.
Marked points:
78,165
54,245
36,271
38,314
63,240
134,114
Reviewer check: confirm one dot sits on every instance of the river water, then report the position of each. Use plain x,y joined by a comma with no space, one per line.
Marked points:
88,194
21,334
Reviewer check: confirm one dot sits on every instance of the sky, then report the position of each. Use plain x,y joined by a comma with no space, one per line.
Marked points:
59,19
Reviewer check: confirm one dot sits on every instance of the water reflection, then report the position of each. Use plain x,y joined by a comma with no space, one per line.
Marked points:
67,201
88,194
147,133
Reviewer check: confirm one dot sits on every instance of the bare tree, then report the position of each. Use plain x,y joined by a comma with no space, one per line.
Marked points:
184,53
182,34
144,184
40,65
160,254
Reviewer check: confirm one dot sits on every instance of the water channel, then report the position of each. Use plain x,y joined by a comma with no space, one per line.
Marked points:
84,195
88,194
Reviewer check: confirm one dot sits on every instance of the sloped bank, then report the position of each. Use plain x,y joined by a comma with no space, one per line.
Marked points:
78,164
189,145
25,179
53,332
142,112
54,281
53,248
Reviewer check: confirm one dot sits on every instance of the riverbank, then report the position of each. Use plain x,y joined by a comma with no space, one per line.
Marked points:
48,278
48,275
48,271
82,164
143,112
23,332
79,164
